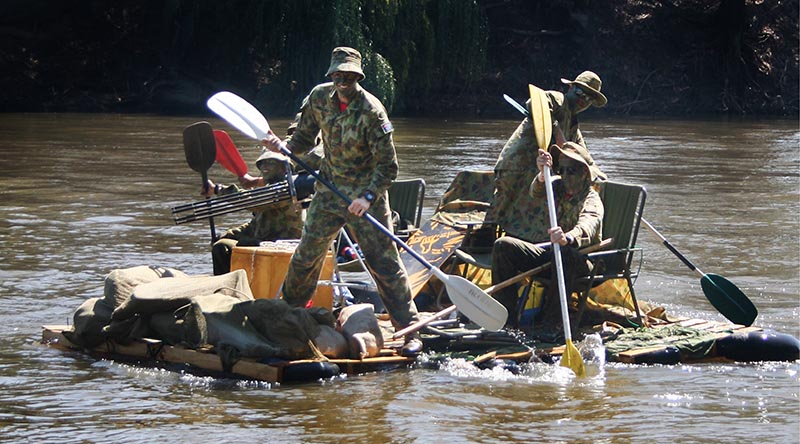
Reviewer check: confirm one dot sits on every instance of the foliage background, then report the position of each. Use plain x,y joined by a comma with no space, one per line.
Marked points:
422,57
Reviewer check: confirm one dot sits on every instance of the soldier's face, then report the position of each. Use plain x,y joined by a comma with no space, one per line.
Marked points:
345,83
573,175
578,98
272,171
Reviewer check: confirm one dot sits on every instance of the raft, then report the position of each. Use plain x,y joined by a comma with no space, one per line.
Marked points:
717,342
666,340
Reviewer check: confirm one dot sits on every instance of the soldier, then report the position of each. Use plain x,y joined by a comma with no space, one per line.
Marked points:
360,160
515,169
281,220
580,223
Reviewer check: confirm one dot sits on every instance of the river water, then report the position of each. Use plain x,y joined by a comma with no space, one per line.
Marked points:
85,194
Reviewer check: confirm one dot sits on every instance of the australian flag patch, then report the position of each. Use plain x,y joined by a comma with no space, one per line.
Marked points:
387,127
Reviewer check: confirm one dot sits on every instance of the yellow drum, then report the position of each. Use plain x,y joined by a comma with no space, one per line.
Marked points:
266,267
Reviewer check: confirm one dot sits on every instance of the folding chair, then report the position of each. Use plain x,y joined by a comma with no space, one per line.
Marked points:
406,197
623,206
472,192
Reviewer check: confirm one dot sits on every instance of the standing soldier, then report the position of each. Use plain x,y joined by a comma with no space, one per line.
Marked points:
360,160
516,166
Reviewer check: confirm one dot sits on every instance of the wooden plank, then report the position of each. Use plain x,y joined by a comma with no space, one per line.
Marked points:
154,350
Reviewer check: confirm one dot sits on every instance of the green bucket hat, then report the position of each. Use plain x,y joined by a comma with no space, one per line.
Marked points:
270,155
580,154
590,83
345,59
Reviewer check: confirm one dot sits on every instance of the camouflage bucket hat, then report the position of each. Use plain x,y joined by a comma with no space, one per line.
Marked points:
580,154
345,59
270,155
590,83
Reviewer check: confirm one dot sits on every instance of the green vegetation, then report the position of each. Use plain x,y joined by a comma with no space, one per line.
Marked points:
446,57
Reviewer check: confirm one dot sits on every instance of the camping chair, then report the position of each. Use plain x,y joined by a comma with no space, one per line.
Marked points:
466,202
406,197
623,205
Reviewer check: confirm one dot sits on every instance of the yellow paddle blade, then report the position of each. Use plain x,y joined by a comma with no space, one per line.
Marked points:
540,117
573,360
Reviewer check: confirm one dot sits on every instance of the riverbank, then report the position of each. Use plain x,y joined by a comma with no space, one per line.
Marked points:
680,58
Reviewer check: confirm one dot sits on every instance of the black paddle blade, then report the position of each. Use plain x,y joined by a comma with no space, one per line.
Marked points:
200,146
728,299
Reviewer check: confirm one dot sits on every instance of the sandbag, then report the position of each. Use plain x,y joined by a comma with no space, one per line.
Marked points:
88,322
119,284
291,328
358,324
170,294
331,343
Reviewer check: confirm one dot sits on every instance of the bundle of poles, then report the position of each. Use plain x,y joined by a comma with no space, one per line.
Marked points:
245,200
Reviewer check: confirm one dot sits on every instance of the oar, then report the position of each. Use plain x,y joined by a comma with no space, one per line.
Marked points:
722,293
470,299
543,127
199,210
200,149
499,286
227,154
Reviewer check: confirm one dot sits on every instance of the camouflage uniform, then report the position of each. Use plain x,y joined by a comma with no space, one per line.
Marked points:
280,220
516,168
580,216
359,155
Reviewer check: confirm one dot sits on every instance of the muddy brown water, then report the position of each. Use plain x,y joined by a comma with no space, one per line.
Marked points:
83,194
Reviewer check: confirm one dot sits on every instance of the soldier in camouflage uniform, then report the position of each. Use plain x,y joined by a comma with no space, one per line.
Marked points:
580,223
515,167
281,220
360,160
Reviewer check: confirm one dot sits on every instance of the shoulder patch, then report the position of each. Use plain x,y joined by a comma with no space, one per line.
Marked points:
387,127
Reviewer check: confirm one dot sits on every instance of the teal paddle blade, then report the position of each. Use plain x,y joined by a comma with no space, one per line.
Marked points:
728,299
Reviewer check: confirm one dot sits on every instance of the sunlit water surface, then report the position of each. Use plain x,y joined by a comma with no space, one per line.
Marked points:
85,194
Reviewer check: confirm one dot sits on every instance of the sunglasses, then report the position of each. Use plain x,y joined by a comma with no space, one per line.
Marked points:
570,170
348,77
580,93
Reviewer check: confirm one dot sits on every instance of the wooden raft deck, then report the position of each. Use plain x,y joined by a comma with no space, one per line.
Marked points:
153,351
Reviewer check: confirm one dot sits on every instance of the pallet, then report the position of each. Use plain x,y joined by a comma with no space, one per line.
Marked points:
155,352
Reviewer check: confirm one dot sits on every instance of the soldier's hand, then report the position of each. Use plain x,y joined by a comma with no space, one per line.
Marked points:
543,160
557,236
248,181
208,190
272,142
359,206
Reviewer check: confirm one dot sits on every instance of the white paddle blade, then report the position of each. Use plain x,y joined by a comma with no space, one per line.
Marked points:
239,113
478,306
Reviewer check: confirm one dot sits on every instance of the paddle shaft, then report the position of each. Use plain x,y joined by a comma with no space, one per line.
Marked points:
671,248
476,304
499,286
204,175
370,218
219,210
562,289
278,188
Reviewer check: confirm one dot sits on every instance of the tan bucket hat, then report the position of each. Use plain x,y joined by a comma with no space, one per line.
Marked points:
580,154
270,155
590,83
345,59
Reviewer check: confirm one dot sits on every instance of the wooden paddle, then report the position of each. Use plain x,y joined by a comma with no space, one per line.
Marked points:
470,299
543,128
722,293
726,297
200,149
227,154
